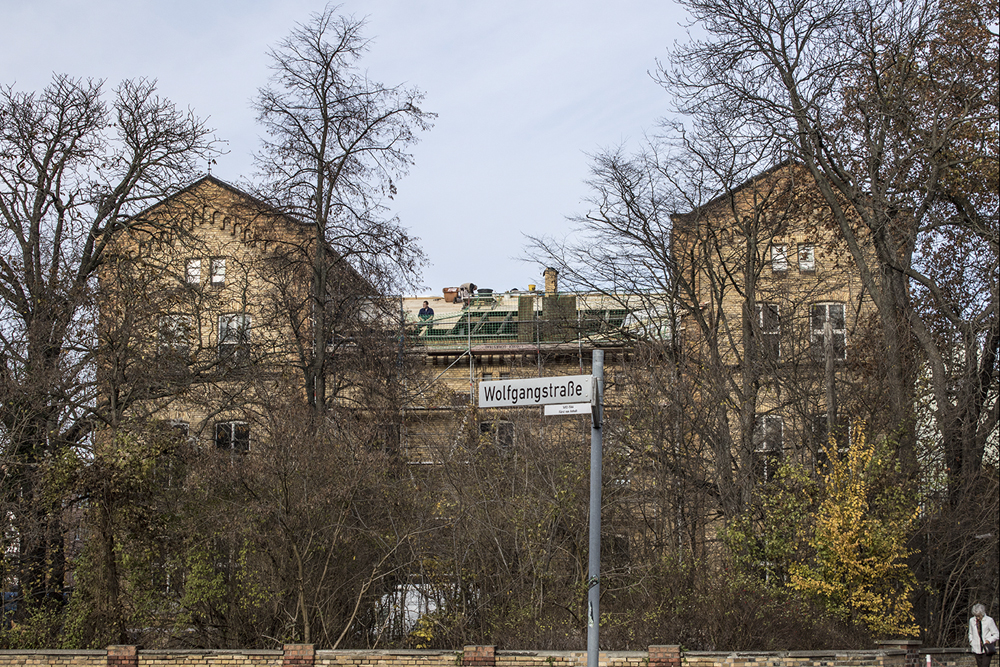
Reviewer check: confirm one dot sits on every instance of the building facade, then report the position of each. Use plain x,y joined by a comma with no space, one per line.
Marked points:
756,357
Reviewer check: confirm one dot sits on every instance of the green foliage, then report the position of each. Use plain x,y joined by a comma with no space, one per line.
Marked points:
39,629
119,575
205,585
429,628
838,540
769,537
82,628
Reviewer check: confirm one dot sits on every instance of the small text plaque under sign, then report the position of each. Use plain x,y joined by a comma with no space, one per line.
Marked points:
568,409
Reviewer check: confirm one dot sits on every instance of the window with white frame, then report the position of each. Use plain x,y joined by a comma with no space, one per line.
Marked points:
233,435
768,330
779,258
807,258
174,332
217,273
234,337
821,315
192,271
768,445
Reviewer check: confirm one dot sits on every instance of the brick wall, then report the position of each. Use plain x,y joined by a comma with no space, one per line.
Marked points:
54,657
908,654
205,658
386,658
910,648
569,659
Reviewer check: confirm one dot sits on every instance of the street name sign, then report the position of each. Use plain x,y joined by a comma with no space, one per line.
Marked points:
569,394
537,391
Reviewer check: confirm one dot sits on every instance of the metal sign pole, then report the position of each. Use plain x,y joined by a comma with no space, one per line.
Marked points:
594,581
564,395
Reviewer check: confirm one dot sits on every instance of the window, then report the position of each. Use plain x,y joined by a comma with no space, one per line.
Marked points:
501,431
807,258
487,377
779,258
504,375
192,272
175,333
768,444
218,271
768,331
821,439
233,435
234,337
821,314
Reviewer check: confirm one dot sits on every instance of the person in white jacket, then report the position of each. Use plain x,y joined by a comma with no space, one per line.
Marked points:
982,631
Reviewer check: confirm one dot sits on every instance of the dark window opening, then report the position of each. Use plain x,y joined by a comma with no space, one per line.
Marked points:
768,325
821,440
821,314
234,338
234,435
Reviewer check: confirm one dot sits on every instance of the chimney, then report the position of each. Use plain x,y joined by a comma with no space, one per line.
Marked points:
551,281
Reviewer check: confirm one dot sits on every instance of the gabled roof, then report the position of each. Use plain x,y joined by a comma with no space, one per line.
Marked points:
218,182
729,194
253,203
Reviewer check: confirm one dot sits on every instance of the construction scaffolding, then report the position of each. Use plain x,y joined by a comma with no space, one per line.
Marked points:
509,335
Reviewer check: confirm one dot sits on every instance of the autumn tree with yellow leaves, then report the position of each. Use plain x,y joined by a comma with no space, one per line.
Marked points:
858,570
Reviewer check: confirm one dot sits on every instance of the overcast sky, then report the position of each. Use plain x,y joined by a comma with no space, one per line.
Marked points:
523,89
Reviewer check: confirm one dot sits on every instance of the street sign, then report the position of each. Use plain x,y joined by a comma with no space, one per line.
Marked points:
567,395
537,391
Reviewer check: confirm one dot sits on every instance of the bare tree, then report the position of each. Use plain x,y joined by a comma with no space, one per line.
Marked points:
75,169
892,110
880,114
704,287
299,538
337,142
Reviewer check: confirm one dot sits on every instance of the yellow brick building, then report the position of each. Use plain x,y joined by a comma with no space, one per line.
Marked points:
204,303
775,323
212,289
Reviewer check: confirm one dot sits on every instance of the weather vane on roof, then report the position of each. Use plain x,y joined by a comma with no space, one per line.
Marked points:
211,161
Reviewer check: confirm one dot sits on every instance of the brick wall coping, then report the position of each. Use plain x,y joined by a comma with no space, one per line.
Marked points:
54,651
508,652
211,651
544,654
378,651
957,649
901,642
803,654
